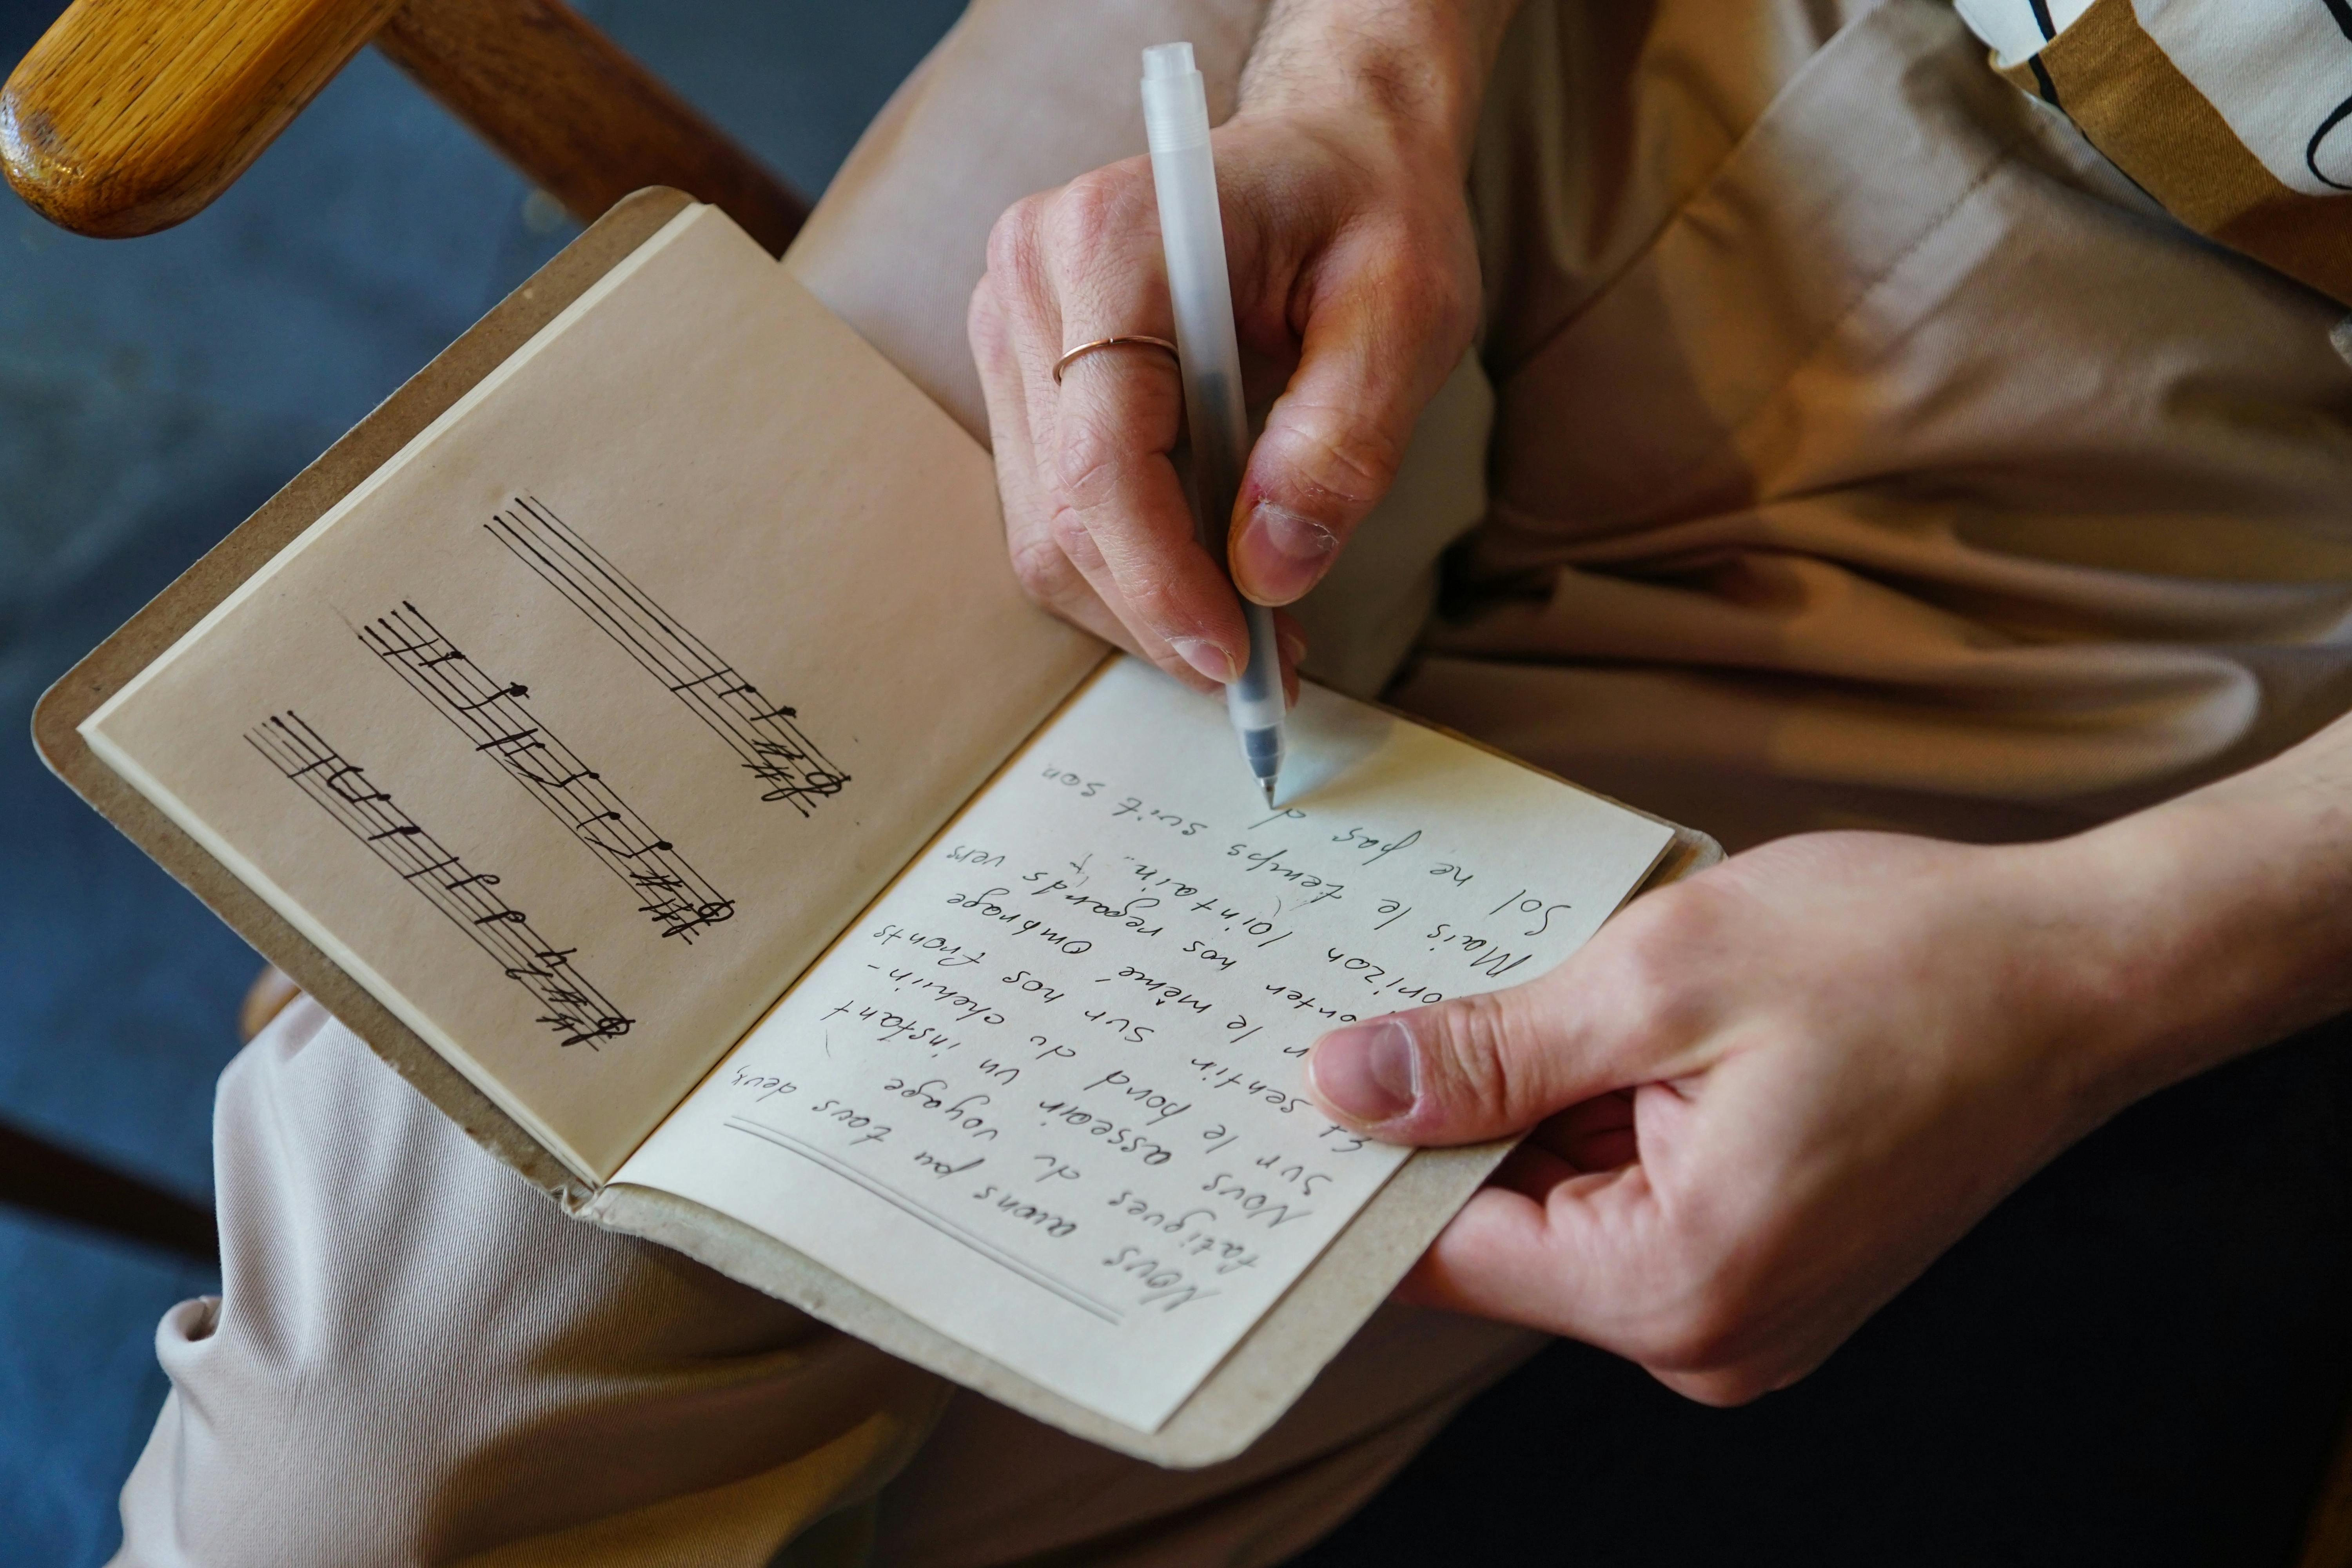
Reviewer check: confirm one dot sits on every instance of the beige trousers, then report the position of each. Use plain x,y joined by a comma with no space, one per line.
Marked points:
416,1359
1859,448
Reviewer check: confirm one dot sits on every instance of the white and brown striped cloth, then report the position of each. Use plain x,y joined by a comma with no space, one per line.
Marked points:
2236,114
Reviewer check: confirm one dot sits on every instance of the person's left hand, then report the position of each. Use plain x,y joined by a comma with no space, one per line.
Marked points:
1768,1096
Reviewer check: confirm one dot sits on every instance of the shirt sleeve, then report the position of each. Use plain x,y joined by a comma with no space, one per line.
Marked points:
2236,114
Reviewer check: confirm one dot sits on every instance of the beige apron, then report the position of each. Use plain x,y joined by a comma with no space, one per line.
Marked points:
1867,450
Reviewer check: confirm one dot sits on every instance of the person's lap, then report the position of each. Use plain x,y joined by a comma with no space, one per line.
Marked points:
416,1357
2139,1357
403,1323
2131,1360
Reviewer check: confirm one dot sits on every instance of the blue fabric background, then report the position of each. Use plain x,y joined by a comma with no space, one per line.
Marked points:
153,392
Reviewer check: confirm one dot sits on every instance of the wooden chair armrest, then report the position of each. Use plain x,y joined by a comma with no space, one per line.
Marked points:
48,1179
128,116
574,111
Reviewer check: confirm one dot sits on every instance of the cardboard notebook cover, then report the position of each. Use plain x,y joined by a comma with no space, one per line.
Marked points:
1264,1373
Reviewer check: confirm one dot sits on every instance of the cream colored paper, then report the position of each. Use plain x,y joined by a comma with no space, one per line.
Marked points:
694,500
1046,1095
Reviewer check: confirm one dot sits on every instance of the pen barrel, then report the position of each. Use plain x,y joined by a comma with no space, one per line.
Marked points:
1256,701
1199,289
1201,297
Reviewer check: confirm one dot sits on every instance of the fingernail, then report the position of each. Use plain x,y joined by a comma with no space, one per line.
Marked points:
1281,552
1205,657
1365,1071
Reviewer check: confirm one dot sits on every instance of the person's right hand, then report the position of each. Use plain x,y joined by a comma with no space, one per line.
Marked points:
1765,1098
1356,288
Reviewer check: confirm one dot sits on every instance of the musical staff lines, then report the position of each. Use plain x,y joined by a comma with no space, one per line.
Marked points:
493,716
761,733
468,899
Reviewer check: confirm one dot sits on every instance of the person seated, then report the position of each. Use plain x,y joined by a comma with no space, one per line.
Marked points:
1799,431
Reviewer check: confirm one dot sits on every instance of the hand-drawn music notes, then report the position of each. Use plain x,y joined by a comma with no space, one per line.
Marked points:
492,715
762,733
469,898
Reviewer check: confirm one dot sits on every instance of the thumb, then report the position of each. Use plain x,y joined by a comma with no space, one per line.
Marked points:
1462,1071
1371,357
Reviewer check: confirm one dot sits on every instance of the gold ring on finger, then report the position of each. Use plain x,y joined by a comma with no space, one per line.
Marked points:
1126,340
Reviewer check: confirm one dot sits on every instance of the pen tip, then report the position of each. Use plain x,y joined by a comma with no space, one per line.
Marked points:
1269,784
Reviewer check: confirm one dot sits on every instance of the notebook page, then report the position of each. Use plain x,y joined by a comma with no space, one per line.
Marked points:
582,726
1047,1095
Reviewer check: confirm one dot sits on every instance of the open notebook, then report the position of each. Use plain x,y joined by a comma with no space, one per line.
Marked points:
653,734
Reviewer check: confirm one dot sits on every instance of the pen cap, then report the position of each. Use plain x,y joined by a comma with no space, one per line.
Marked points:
1175,98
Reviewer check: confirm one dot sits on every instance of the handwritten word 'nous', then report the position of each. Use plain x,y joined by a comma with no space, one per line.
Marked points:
1164,1287
1268,1207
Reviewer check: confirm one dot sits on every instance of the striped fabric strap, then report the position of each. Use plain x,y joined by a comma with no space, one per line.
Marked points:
2236,114
2015,30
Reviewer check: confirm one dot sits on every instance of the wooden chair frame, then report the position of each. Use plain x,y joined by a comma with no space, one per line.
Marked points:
130,116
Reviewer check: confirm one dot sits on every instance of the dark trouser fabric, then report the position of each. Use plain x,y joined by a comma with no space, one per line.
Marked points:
2143,1357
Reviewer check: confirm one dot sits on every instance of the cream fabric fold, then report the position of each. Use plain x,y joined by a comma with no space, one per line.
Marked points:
416,1358
1867,451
